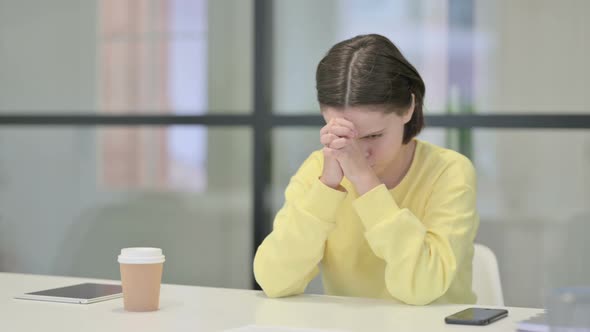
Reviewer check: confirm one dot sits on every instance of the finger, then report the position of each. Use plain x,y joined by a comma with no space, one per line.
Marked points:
344,123
326,139
325,129
339,143
338,121
342,131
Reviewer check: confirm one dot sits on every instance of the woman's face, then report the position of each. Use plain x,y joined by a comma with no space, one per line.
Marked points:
380,134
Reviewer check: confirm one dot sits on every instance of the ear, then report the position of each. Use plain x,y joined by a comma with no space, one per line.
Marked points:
408,115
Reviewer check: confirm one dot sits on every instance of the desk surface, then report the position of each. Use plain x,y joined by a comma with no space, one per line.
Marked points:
190,308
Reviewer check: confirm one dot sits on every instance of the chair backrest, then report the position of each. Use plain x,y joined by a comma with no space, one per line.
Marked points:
486,277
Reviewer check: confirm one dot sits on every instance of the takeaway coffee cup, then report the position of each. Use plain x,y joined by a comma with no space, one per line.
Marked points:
141,276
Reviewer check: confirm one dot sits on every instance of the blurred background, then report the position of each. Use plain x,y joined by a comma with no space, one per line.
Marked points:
178,123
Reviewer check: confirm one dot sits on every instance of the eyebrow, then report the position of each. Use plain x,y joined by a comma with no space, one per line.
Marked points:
374,133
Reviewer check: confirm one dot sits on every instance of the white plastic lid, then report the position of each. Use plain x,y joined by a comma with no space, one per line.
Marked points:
141,256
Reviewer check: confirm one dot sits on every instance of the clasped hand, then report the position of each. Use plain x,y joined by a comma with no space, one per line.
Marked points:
343,156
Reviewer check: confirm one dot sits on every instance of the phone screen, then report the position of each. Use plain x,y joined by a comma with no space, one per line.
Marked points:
476,316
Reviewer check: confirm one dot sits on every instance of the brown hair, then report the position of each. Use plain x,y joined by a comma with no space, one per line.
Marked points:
370,70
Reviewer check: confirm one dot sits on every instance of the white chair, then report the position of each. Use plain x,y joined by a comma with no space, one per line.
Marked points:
486,277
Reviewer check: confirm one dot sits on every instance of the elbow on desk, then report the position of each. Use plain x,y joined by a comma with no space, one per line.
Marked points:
271,287
419,293
274,293
419,300
266,278
272,290
414,296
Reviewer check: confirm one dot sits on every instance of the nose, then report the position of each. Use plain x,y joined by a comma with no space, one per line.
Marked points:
366,148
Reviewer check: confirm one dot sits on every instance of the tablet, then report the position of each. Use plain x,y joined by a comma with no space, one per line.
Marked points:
81,293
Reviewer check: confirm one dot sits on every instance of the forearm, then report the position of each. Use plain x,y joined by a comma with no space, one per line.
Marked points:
287,259
421,256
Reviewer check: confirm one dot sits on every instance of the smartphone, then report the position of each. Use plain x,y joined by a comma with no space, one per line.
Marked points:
476,316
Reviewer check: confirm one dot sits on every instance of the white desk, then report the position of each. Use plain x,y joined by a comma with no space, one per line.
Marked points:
189,308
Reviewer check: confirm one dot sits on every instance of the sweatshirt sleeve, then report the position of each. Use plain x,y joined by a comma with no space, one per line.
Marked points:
287,260
422,256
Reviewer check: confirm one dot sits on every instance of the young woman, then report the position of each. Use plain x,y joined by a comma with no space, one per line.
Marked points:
385,215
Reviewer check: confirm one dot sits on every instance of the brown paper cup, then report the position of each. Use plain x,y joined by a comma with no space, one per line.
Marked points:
141,278
141,286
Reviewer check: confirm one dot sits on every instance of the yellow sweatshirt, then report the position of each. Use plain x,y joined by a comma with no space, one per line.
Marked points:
413,243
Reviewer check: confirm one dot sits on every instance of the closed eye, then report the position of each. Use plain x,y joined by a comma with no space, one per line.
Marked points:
373,136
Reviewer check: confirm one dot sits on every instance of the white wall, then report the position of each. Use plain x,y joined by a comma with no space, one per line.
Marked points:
46,65
48,50
55,216
535,184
